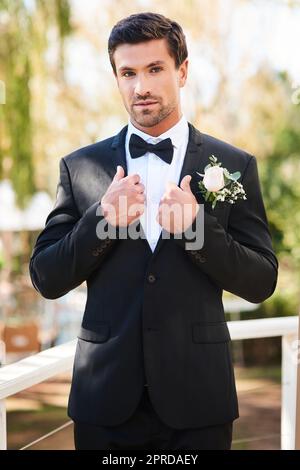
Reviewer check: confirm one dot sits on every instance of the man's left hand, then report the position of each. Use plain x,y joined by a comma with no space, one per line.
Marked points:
178,207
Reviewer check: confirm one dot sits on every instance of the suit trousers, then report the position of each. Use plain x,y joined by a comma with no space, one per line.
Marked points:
145,430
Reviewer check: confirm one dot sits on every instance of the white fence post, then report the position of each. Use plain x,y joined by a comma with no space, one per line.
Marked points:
2,353
3,442
289,385
3,432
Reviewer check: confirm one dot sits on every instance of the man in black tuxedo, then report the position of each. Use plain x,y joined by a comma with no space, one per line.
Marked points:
153,366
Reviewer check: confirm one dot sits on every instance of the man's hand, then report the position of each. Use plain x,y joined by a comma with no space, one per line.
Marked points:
124,199
178,207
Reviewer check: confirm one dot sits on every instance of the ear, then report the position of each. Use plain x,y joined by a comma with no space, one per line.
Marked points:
183,70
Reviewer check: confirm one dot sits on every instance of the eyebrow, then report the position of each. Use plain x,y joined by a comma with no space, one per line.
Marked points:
156,62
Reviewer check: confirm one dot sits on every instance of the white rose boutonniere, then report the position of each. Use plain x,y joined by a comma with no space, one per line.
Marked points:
218,185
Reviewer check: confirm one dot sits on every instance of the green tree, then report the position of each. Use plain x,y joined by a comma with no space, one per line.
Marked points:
23,42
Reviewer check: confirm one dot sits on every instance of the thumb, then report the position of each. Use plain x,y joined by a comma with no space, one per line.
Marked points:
185,183
119,173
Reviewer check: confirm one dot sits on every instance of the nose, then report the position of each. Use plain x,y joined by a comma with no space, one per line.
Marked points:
142,86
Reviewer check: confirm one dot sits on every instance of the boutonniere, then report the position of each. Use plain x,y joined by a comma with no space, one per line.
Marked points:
218,185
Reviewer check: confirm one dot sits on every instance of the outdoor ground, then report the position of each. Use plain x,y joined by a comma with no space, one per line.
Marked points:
41,409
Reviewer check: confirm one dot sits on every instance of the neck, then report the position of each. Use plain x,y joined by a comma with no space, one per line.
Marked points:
163,126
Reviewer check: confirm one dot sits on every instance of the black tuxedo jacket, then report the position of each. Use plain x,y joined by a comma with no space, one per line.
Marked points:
155,317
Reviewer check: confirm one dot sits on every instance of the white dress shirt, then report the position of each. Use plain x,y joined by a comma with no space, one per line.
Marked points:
155,173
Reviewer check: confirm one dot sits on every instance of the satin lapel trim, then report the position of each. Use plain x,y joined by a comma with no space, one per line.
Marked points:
118,145
119,157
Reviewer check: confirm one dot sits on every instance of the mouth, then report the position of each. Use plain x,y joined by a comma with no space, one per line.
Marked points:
147,103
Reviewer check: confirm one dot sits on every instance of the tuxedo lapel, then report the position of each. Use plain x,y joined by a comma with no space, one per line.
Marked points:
118,147
192,160
119,158
192,163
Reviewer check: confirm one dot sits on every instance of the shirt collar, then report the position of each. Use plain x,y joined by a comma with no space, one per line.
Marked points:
177,133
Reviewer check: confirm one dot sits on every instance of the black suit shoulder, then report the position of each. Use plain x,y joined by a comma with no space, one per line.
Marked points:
222,146
91,152
88,170
233,158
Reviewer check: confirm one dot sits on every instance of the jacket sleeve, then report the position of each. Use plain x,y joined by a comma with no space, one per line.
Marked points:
240,260
69,249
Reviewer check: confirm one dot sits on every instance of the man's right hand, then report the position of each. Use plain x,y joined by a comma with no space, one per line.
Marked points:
124,199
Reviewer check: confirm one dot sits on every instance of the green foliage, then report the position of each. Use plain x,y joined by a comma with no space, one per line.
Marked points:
281,190
21,39
18,120
63,14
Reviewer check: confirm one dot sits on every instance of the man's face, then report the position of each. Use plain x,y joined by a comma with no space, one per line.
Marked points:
146,74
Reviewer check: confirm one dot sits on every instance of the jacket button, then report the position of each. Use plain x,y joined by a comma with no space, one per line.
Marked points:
151,278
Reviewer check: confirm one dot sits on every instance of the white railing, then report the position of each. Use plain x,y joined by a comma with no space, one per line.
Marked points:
34,369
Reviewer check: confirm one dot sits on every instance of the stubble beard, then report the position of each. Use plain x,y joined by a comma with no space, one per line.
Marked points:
149,118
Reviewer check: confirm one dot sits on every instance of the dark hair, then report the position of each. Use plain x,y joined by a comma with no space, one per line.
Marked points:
142,27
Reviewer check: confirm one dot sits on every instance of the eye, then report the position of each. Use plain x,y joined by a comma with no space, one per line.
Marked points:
124,74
